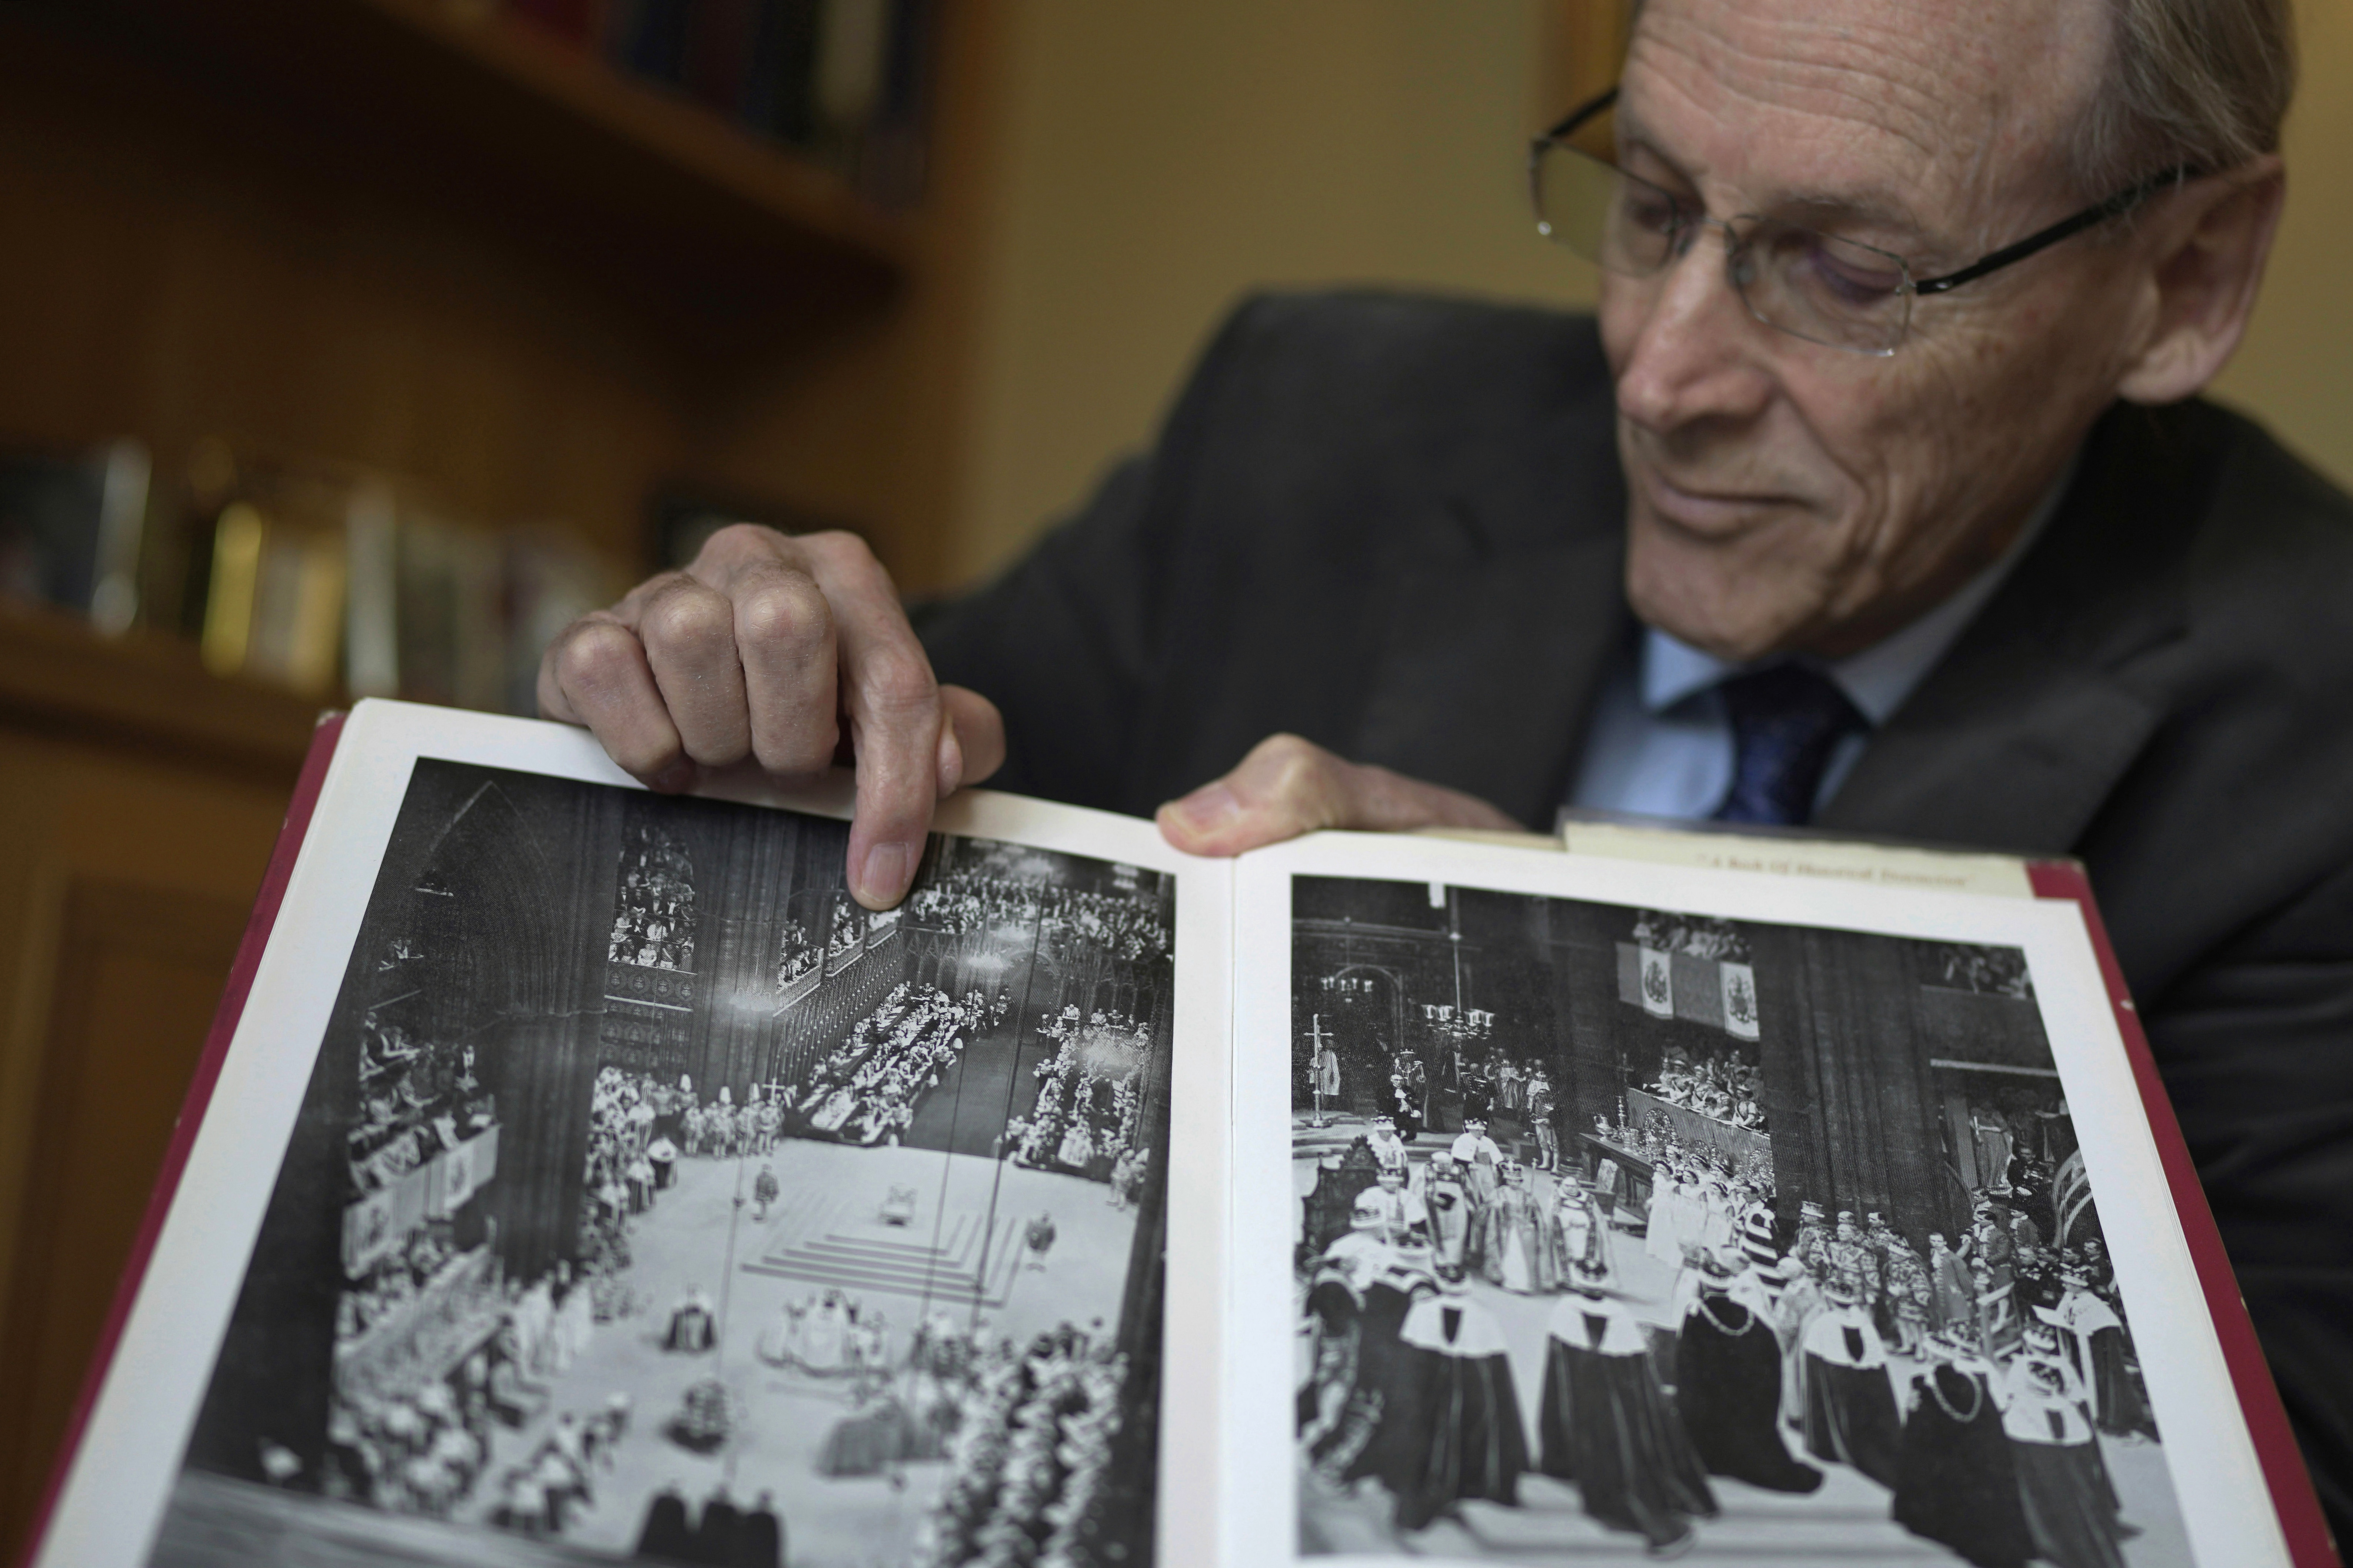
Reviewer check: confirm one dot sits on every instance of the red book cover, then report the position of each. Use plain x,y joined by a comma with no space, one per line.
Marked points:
2301,1519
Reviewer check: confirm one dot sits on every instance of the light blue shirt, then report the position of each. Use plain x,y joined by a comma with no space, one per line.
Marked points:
1661,742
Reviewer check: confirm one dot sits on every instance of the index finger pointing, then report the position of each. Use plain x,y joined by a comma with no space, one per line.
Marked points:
893,705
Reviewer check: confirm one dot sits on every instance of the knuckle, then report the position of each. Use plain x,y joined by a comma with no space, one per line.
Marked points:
839,544
740,541
785,613
593,656
688,616
1291,763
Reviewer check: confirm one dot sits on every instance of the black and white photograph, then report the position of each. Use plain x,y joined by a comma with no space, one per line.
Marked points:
653,1201
1626,1234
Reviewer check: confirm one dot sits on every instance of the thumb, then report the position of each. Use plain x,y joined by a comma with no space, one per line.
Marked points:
1287,786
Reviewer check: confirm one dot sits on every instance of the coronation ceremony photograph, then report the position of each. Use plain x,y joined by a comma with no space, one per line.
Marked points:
1626,1234
653,1201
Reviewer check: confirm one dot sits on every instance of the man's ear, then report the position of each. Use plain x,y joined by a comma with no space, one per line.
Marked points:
2204,275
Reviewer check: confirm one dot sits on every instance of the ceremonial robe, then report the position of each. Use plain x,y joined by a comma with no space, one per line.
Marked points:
759,1540
1850,1405
1728,1395
2095,1338
1450,1214
667,1534
1456,1430
1517,1251
1606,1425
2063,1483
1955,1482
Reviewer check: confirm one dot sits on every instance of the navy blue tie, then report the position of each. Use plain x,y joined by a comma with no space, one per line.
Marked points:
1786,722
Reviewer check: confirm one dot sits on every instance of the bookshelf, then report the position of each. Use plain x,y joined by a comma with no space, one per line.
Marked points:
418,236
415,238
554,143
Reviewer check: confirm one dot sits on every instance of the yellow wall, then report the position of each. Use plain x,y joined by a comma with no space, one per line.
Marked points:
1160,159
2295,370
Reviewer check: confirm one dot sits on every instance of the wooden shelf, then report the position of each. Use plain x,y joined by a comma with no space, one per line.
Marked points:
683,210
145,692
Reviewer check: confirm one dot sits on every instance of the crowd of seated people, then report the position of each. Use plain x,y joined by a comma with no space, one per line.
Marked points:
1118,926
416,1100
1088,1106
964,903
1033,1453
1719,1086
1701,936
867,1089
653,922
796,954
411,1441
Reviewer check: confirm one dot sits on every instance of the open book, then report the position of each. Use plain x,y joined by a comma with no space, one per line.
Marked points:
578,1176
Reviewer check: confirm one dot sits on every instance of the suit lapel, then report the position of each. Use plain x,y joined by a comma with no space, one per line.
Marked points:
1491,666
2010,748
2019,734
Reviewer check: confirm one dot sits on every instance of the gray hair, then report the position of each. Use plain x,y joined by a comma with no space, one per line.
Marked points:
2202,82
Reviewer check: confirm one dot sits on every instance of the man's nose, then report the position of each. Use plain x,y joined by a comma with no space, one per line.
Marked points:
1696,355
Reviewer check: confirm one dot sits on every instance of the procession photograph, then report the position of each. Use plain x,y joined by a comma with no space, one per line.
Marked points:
652,1201
1623,1235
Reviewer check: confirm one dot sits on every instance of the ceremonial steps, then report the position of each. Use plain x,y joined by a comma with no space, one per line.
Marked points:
954,1258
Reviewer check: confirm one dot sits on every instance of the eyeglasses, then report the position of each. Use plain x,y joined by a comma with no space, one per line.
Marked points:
1837,292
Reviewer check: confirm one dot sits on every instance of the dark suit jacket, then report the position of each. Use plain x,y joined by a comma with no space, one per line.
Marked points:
1393,525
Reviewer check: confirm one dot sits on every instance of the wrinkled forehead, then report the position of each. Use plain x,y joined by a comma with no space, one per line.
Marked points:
1943,112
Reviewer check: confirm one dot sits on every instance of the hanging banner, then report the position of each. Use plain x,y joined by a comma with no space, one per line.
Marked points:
368,1232
1739,1001
1698,984
1657,987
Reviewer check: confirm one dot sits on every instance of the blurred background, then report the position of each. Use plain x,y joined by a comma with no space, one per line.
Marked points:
351,347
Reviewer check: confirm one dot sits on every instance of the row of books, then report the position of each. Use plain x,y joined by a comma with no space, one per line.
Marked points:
840,81
319,577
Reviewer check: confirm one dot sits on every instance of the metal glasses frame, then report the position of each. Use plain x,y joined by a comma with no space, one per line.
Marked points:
2122,202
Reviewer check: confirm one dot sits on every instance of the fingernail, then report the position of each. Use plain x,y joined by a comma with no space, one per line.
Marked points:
951,762
675,777
1209,807
888,868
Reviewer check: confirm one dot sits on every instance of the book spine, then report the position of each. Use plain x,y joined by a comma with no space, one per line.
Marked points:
123,513
851,38
237,539
777,87
656,49
372,630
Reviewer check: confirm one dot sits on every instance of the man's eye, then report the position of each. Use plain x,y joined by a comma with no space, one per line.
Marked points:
1848,275
1652,212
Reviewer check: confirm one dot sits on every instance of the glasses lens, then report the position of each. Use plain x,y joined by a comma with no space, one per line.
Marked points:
1611,218
1823,288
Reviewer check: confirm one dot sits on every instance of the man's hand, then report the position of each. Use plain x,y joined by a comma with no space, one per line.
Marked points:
1288,787
767,647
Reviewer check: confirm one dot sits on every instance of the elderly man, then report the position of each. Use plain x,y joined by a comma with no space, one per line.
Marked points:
1874,497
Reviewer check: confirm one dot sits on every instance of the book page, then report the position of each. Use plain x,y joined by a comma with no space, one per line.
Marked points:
591,1180
1633,1208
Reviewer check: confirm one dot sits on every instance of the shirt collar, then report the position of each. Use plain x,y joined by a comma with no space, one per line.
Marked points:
1877,679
